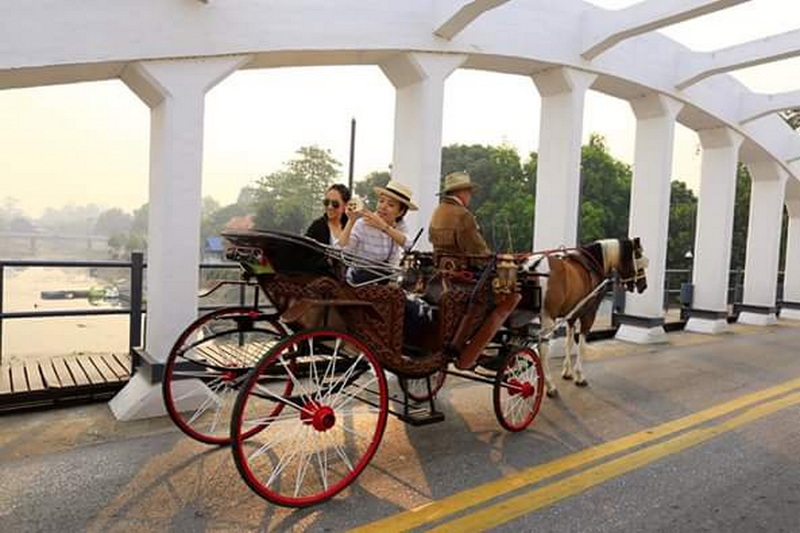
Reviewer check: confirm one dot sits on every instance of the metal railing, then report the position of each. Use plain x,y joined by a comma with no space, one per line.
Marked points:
135,309
674,280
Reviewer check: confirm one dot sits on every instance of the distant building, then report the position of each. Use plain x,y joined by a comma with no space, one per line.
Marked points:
214,249
241,223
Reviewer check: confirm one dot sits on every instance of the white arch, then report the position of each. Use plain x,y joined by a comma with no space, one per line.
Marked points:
698,66
50,43
606,29
758,105
459,19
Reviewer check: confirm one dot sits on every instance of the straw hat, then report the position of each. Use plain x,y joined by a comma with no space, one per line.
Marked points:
456,181
398,191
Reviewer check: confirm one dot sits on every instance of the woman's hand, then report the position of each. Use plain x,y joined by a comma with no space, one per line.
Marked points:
371,219
354,212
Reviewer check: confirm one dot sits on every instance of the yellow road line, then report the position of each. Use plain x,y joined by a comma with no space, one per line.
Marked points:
523,504
470,497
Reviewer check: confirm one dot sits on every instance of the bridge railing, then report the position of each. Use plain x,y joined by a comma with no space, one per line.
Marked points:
136,306
675,294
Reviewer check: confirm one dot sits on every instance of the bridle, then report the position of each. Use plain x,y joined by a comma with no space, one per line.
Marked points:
639,266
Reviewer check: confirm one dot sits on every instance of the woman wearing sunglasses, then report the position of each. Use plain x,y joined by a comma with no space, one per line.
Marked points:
328,228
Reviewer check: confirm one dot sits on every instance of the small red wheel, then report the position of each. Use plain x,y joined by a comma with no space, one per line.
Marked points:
208,364
331,425
518,389
417,388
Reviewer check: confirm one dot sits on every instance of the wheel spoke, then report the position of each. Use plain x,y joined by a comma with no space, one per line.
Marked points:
327,440
287,367
350,396
280,399
301,474
343,380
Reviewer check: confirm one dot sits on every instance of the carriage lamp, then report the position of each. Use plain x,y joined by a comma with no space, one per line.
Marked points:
506,280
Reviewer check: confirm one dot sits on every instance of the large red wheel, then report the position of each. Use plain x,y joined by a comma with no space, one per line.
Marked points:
417,388
208,364
330,426
518,388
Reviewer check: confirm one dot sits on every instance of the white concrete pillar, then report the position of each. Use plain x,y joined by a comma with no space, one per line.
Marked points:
712,251
417,161
563,91
175,92
790,307
643,321
763,243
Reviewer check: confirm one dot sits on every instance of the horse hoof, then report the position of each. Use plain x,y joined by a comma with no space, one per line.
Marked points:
582,383
552,393
567,377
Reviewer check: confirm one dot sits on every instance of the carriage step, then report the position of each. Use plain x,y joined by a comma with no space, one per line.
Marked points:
421,417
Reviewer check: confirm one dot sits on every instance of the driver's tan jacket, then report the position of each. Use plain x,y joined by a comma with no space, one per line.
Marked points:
453,229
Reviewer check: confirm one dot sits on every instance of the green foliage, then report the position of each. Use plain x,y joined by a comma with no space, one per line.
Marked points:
289,199
682,223
70,219
113,221
605,193
504,200
741,218
792,117
364,188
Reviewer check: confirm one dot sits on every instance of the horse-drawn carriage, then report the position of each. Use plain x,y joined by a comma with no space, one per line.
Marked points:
300,391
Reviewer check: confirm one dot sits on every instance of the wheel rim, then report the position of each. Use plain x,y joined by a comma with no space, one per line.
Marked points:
517,393
326,434
208,365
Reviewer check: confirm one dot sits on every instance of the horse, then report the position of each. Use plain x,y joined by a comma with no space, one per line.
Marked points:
571,282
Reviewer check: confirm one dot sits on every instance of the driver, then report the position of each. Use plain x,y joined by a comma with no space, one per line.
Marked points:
453,228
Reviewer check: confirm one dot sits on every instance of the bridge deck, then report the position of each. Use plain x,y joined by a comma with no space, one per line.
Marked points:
60,379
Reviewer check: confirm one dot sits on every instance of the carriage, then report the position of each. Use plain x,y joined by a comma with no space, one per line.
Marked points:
299,388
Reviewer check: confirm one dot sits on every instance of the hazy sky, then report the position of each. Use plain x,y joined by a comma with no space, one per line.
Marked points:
88,143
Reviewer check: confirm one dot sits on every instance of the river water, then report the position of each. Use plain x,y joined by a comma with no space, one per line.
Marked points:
38,338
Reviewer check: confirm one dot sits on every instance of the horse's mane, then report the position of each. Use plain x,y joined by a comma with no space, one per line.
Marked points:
610,253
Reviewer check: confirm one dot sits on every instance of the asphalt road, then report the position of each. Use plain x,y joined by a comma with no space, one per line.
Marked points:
702,434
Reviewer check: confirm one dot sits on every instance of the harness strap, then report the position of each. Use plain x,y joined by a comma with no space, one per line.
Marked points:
557,323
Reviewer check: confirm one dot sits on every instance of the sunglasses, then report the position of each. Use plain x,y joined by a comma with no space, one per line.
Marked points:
333,203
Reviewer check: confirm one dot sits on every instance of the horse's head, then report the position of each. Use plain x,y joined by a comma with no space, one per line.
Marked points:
632,266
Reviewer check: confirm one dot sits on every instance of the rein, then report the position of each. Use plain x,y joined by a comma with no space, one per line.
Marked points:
557,323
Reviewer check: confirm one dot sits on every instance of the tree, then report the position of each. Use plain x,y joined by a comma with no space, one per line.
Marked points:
792,117
605,193
741,218
140,220
682,224
290,199
208,209
70,219
113,221
365,188
504,200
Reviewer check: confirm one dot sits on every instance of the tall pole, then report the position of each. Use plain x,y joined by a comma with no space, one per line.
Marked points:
352,152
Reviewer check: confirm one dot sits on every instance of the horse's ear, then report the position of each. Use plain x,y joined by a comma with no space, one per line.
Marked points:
636,243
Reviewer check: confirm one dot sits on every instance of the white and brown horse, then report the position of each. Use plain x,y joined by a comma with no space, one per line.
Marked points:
567,279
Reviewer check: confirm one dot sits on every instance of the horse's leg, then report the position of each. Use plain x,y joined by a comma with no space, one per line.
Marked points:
544,352
586,325
566,370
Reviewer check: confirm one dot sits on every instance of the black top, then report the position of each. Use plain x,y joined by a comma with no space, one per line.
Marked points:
319,230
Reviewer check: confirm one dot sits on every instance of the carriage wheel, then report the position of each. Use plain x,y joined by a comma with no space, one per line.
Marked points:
518,388
209,363
417,389
331,424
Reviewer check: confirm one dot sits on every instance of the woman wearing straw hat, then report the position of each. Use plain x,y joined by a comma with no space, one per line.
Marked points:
382,235
453,228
